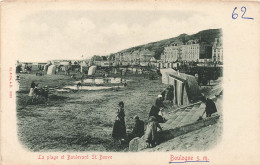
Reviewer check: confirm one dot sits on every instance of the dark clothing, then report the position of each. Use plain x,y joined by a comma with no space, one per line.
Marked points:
45,93
121,114
170,94
119,128
160,119
36,91
159,103
210,107
155,112
138,130
33,85
163,94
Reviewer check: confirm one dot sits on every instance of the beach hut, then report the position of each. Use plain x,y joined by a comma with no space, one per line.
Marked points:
175,65
165,74
92,70
35,67
134,70
45,68
51,70
186,88
18,68
161,65
170,65
84,68
115,64
64,63
23,67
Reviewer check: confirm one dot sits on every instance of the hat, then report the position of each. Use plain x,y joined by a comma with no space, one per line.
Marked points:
159,96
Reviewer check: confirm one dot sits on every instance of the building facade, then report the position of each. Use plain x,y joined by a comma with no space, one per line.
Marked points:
190,51
145,55
217,50
172,52
193,50
134,57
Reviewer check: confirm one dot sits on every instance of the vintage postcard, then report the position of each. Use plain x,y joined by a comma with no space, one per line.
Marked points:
133,82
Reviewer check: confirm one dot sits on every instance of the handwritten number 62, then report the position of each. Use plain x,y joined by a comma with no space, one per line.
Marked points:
235,15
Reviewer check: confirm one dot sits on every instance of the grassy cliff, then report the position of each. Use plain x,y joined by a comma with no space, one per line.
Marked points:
157,47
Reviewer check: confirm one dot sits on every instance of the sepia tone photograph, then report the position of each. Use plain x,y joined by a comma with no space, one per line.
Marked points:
133,82
89,83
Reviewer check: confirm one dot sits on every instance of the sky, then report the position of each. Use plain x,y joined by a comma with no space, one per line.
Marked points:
48,35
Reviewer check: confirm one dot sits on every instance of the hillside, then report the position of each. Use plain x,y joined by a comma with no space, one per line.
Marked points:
157,47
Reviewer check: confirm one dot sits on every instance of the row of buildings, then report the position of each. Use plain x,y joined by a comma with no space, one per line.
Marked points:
133,58
193,50
177,51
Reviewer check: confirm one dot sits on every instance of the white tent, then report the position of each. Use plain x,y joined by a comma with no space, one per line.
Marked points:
170,65
64,63
83,67
23,67
51,69
165,74
186,88
92,70
45,68
152,59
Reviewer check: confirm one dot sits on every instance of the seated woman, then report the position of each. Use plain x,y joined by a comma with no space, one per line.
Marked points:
138,130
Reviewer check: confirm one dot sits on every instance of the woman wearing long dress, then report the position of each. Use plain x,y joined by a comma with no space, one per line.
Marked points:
151,135
119,128
32,89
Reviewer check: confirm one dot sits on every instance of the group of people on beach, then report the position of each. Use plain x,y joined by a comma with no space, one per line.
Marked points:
155,117
36,92
151,136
